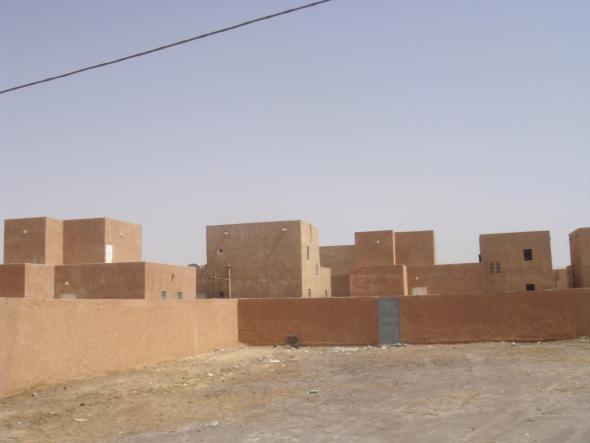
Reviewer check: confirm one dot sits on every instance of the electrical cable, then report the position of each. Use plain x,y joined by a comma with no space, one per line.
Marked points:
161,48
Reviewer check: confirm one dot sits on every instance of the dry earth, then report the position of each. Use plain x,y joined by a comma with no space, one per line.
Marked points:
491,392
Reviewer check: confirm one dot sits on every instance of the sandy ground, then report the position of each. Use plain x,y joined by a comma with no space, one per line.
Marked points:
492,392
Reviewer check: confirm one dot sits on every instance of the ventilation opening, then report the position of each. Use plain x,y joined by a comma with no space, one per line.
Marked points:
530,286
164,295
528,254
179,295
221,294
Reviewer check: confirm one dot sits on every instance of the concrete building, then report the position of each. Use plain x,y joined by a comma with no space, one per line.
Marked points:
580,258
341,261
261,260
101,258
517,261
133,280
390,263
33,240
97,258
50,241
379,262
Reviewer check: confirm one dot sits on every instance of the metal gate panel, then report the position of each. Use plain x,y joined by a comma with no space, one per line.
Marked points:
388,321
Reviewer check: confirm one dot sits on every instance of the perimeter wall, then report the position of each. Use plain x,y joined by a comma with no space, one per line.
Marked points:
519,316
315,321
45,341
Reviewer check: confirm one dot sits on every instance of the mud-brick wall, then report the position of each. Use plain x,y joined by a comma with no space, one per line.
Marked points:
52,341
329,321
501,316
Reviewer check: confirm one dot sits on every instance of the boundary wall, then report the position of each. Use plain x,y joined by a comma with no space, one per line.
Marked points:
315,321
45,341
501,316
507,316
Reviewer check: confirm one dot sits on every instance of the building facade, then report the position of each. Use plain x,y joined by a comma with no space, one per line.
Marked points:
98,258
388,263
580,258
262,260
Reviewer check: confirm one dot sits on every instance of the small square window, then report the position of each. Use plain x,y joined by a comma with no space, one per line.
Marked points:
530,286
221,294
528,254
491,267
164,295
220,251
309,292
179,295
498,268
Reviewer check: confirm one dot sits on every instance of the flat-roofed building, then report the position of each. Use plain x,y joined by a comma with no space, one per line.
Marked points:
517,261
45,240
580,257
267,259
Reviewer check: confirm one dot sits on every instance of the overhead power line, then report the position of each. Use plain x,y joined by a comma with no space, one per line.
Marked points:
161,48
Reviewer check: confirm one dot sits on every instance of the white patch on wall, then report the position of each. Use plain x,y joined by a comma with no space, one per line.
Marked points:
108,253
421,290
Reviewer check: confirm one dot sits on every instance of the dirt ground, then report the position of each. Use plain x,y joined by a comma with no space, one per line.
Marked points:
491,392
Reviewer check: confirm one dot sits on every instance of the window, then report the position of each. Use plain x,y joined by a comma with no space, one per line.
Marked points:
220,251
164,295
495,267
179,295
326,292
317,269
530,286
528,254
221,294
479,257
108,253
309,292
307,253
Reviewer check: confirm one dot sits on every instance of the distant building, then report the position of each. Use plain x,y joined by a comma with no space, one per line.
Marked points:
388,263
517,261
44,240
97,258
580,258
269,259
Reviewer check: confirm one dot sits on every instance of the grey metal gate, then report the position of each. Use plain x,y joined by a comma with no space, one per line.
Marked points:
388,321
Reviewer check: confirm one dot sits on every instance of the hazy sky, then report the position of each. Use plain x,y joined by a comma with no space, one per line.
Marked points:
465,117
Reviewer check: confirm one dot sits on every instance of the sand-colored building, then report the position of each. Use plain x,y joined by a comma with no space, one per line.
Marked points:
388,263
45,240
98,258
102,258
517,261
262,260
580,258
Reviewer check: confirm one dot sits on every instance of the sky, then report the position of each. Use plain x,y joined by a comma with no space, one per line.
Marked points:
464,117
